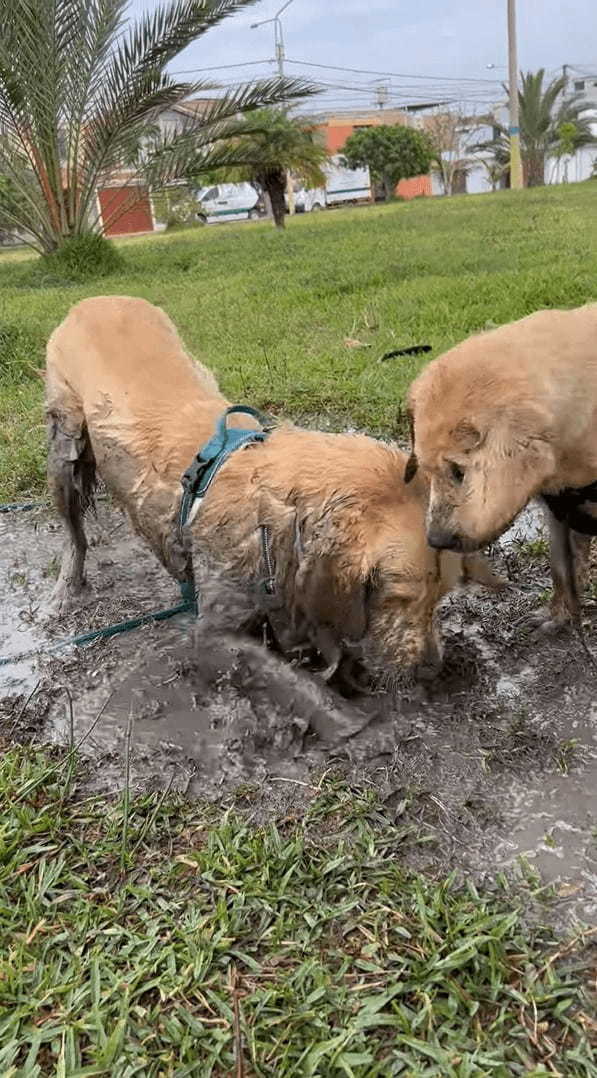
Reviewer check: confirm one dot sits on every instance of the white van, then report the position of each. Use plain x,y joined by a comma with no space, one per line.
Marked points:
344,186
228,202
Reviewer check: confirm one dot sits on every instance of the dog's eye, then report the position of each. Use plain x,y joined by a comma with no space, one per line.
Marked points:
457,472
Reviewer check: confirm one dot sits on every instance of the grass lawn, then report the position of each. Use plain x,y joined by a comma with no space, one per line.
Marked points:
156,937
270,313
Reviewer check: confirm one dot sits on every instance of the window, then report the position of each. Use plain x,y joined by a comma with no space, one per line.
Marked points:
579,85
211,194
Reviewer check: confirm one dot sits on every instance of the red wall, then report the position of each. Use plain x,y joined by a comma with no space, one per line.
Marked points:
135,207
419,185
335,137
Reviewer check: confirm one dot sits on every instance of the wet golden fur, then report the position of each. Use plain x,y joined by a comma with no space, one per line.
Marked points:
515,411
352,567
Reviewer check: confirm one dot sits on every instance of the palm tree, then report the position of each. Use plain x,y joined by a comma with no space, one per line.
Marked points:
543,112
81,89
274,144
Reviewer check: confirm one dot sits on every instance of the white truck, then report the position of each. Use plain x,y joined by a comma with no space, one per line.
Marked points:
228,202
344,186
240,201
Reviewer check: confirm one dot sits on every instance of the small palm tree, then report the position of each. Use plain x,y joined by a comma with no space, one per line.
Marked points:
275,144
543,112
81,90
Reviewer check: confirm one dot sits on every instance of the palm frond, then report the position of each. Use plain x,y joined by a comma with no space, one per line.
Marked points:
80,94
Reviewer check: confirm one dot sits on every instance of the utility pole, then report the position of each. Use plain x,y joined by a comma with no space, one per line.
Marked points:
565,80
280,57
514,128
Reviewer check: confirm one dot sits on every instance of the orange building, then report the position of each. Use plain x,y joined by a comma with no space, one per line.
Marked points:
335,128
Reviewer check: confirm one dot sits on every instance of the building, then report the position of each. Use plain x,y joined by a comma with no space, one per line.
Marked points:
335,127
124,204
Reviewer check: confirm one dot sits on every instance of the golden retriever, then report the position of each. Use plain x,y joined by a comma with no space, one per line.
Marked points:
351,572
506,416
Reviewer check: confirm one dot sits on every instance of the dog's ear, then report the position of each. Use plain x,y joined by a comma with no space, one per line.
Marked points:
411,469
523,437
412,463
467,435
330,584
318,559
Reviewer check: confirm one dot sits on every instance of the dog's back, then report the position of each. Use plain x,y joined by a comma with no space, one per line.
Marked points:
123,399
116,366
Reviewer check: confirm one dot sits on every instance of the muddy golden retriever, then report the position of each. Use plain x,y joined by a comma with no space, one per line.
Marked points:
350,570
506,416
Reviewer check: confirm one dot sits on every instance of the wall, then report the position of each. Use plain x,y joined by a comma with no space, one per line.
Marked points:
414,188
134,202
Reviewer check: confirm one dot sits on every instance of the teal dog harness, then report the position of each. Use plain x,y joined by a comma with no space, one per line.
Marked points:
200,474
206,464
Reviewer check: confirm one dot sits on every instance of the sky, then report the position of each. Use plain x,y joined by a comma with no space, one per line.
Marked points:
434,49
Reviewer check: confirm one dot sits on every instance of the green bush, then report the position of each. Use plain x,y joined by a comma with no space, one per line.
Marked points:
176,207
82,257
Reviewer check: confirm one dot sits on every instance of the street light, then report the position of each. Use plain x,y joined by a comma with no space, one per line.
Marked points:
280,57
278,34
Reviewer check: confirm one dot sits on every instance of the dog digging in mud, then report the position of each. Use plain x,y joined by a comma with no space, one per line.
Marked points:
506,416
313,534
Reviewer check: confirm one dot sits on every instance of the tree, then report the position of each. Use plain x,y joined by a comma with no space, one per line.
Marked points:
544,114
447,132
274,144
392,153
81,90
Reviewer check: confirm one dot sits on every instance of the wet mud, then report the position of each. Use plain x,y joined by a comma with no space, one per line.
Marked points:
494,763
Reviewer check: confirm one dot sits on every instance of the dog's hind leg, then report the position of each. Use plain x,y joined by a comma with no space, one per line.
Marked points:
72,480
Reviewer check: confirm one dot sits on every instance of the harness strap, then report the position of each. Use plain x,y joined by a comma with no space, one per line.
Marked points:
210,458
205,466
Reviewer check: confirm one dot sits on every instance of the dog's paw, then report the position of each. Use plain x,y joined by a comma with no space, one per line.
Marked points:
544,622
62,601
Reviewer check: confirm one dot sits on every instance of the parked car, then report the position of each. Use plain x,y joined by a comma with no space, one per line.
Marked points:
344,186
228,202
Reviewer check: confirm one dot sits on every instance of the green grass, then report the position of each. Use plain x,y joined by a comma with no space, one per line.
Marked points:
154,938
270,312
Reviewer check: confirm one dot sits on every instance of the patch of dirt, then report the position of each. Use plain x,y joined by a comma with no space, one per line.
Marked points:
495,761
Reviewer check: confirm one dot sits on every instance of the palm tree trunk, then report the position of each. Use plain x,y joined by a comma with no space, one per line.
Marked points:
534,169
275,189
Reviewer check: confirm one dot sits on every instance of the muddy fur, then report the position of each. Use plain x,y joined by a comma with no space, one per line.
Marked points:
506,416
354,578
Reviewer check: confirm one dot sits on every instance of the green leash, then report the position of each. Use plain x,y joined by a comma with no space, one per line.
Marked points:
97,634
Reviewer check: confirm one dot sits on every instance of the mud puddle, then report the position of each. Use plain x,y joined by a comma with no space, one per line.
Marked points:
496,761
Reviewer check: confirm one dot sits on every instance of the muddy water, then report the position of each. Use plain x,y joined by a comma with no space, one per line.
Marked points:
495,760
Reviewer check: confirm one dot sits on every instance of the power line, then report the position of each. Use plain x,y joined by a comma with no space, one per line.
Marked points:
391,74
350,70
220,67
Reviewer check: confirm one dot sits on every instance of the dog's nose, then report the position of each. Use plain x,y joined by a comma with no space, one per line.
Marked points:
442,539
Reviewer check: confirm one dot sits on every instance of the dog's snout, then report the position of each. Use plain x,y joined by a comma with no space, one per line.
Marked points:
443,539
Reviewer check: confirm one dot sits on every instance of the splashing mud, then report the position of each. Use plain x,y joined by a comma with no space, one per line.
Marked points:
494,760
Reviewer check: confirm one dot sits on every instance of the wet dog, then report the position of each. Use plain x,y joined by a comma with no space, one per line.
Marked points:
352,577
506,416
